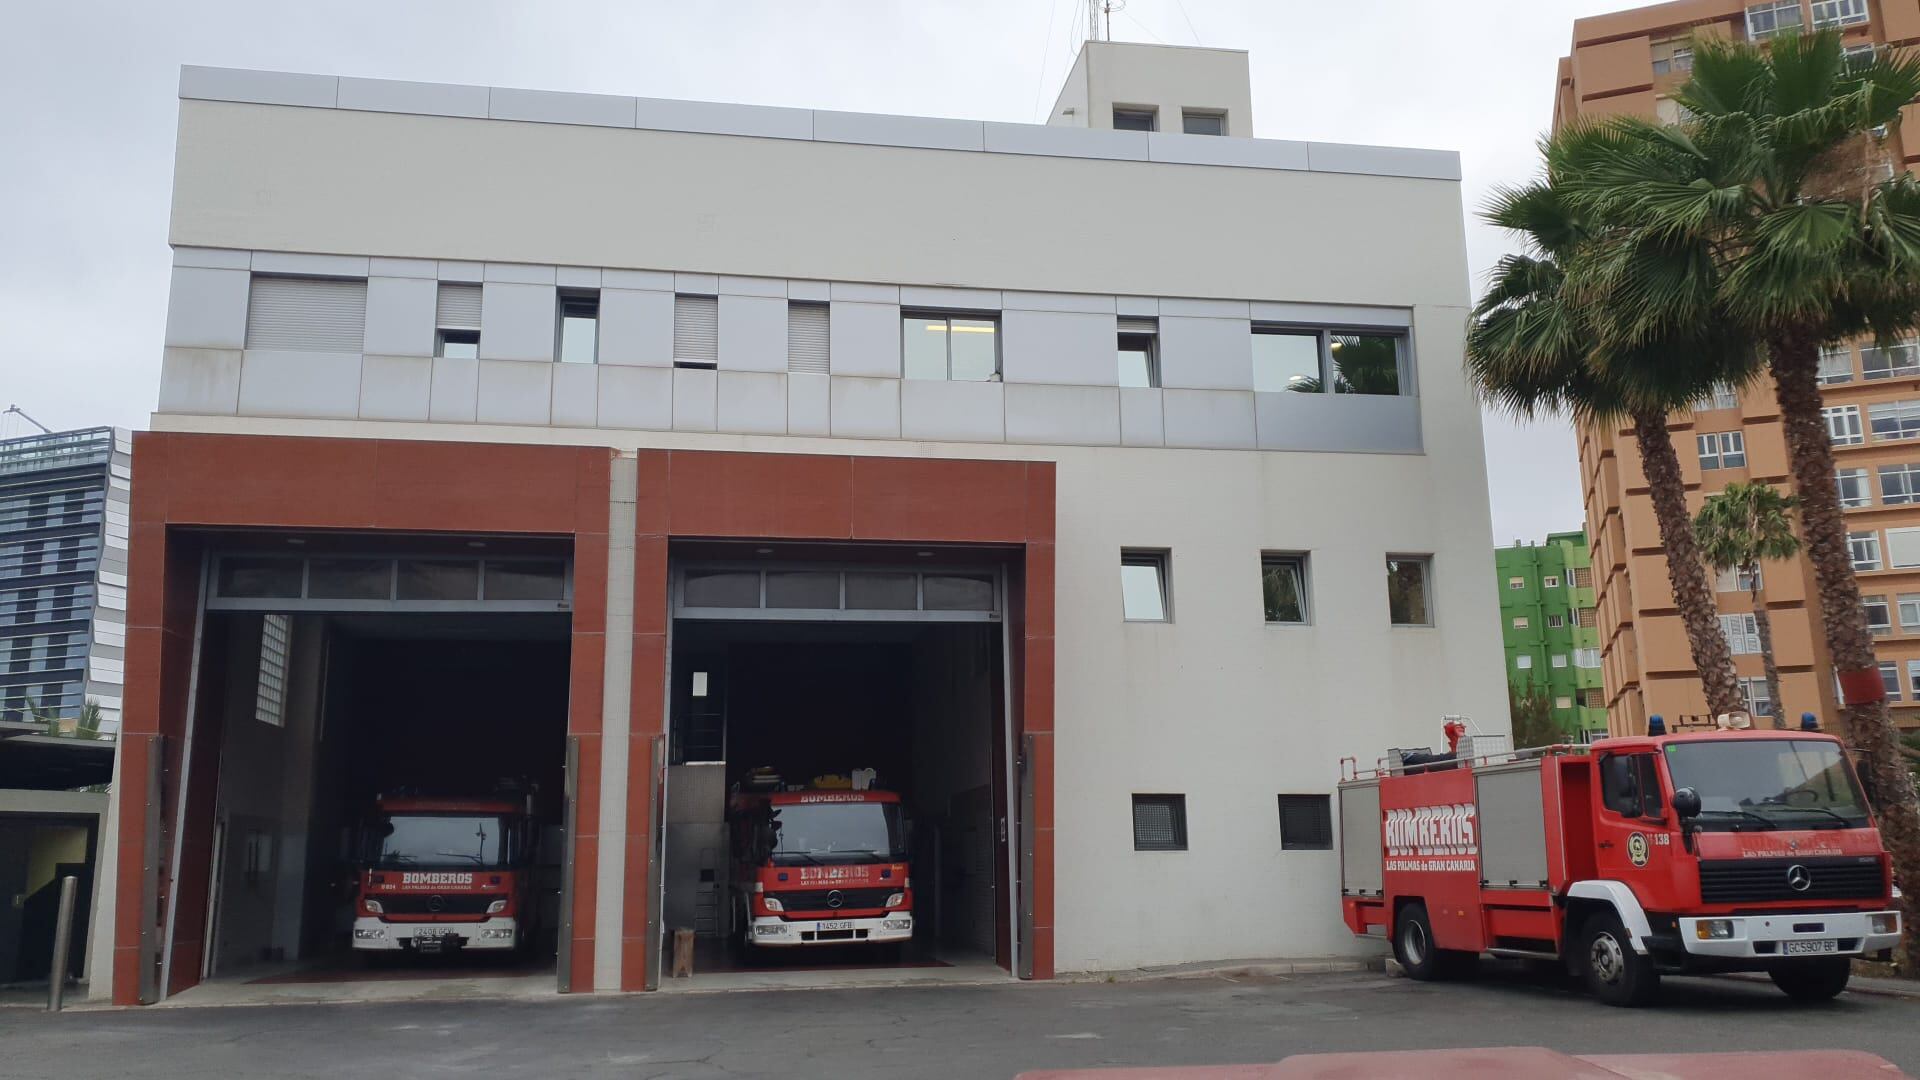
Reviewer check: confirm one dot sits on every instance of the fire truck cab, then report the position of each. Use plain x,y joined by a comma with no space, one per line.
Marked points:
444,874
820,866
1706,851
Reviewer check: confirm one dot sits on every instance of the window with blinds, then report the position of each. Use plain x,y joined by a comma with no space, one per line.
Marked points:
807,337
270,695
1306,823
321,314
1159,823
696,331
457,321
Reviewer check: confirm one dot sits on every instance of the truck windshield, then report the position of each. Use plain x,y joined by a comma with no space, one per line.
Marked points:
821,833
438,842
1769,783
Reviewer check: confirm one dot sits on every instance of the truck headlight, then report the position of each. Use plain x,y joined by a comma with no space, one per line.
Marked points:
374,934
896,899
772,903
1886,922
497,935
497,906
373,907
1713,929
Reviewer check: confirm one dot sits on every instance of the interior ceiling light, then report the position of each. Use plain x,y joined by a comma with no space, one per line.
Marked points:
763,551
924,554
476,543
295,541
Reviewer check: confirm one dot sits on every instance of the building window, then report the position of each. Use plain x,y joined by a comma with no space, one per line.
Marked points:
1836,364
1551,581
1909,604
1672,56
1913,674
1135,118
1865,547
1734,579
1516,583
1903,548
317,314
1776,16
1159,823
1890,678
1306,823
1894,420
1863,54
1723,450
1838,13
1586,658
949,346
1843,424
1407,586
1520,622
1899,484
1558,660
1854,491
1321,361
1722,396
1563,703
809,337
1591,698
1879,615
696,331
1892,362
1139,352
270,694
457,321
1144,595
1555,622
1283,587
1203,122
1759,699
1589,617
1742,634
1523,662
1582,577
579,326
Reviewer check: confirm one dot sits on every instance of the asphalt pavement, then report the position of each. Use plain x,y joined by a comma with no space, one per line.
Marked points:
935,1031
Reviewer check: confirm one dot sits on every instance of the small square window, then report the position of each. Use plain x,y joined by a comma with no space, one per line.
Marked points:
1521,622
1523,662
1203,122
458,344
1516,583
579,327
1407,590
1135,119
1555,622
1283,587
1551,581
1159,823
1139,353
1143,586
1306,823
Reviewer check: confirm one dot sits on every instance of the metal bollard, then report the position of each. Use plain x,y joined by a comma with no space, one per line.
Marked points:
62,944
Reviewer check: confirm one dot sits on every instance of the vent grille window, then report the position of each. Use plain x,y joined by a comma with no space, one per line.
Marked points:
696,331
808,337
270,699
321,314
1159,823
1306,823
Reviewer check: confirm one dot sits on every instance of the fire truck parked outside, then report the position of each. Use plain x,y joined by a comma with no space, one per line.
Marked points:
1717,851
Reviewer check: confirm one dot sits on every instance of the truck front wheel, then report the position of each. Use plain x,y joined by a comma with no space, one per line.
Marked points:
1813,980
1614,972
1413,947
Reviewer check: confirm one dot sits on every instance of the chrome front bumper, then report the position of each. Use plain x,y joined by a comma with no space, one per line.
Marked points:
775,932
1765,937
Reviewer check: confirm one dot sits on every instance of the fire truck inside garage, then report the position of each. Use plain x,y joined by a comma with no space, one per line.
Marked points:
345,676
843,677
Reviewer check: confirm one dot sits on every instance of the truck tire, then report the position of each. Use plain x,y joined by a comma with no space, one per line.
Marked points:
1820,979
1413,947
1614,972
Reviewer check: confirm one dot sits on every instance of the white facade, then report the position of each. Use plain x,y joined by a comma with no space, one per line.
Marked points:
1059,235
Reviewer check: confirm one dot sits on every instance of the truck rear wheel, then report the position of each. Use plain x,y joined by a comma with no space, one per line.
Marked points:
1614,972
1413,947
1820,979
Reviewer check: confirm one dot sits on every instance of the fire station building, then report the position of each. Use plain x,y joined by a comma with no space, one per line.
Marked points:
1097,484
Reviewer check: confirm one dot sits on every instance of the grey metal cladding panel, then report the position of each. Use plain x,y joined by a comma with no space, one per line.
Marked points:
431,99
1384,161
1044,141
696,794
1512,825
925,132
1360,854
557,107
723,118
1354,423
264,87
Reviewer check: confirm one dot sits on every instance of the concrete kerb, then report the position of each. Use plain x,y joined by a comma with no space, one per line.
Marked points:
1227,969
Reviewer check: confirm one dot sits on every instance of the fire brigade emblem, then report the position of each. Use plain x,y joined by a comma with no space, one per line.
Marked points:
1637,849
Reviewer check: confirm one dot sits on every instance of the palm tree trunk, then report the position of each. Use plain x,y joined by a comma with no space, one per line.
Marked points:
1686,571
1763,623
1796,363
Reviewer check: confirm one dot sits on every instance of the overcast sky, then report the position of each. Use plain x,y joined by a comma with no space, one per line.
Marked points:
86,128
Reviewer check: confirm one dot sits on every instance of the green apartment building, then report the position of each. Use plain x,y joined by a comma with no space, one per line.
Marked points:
1547,622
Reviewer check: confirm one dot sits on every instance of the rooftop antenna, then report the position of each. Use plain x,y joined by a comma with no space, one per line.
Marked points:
16,410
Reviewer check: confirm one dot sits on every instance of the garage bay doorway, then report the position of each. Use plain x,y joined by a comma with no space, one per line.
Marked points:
836,803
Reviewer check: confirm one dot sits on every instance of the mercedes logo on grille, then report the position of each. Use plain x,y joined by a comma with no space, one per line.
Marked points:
834,899
439,903
1798,879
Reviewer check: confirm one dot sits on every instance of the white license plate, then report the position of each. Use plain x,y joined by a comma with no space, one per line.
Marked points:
1804,948
845,924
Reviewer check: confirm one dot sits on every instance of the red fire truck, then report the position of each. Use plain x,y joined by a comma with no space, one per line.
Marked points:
1708,851
821,866
441,874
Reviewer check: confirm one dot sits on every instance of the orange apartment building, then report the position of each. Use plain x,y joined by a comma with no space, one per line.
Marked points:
1630,63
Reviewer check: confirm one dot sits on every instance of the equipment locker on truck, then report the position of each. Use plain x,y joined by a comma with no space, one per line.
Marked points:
1720,850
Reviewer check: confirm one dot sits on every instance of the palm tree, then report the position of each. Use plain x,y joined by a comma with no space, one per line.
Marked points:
1802,246
1743,526
1531,351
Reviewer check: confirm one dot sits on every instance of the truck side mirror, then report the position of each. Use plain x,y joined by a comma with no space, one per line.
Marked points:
1686,803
